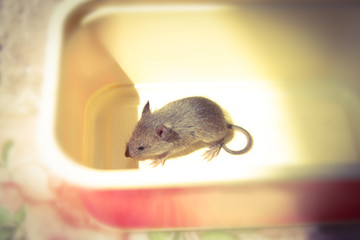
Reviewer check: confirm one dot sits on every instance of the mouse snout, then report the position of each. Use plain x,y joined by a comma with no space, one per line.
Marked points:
127,152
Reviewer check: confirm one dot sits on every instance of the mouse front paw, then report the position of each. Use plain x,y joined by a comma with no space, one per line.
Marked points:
156,162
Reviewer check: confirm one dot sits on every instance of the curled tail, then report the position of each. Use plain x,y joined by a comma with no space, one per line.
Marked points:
249,139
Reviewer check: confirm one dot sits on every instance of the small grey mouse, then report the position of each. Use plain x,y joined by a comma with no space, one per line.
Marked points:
179,125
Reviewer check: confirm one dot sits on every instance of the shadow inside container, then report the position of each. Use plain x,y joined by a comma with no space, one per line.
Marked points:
97,104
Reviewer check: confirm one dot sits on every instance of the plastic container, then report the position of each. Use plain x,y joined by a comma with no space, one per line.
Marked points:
287,72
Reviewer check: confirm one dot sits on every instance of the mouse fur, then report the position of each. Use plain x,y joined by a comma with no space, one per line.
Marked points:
179,125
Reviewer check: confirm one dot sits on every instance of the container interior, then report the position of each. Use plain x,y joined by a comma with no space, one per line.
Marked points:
287,73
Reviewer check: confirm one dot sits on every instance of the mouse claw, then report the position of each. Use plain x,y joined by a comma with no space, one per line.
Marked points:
212,152
162,161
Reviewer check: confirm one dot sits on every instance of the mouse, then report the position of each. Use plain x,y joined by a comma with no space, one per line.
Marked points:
179,125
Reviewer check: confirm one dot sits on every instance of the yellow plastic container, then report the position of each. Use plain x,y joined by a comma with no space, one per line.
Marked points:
287,72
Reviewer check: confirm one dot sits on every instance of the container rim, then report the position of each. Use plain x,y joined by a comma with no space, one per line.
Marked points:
64,167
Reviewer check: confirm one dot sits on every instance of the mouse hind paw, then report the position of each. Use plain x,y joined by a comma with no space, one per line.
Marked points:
212,152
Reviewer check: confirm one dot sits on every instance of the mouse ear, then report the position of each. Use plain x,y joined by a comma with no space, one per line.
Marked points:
146,109
163,132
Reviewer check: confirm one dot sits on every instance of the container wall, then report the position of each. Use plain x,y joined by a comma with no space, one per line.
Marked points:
287,73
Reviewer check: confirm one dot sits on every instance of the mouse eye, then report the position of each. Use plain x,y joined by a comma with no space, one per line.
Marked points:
141,148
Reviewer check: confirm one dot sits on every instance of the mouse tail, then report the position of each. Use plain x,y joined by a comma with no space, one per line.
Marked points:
249,139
